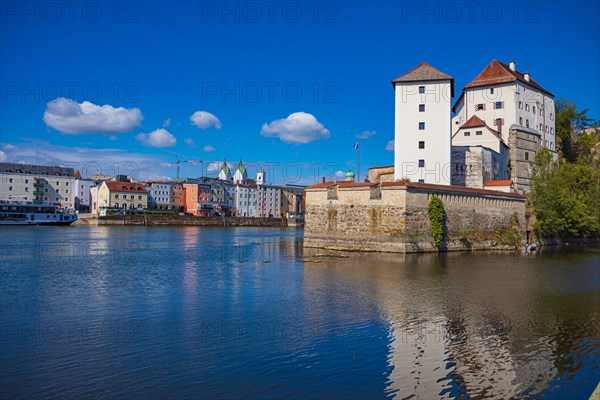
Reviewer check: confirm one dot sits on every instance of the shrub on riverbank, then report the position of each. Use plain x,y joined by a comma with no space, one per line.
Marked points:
565,198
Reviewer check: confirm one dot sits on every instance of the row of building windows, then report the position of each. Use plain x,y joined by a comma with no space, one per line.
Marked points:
125,197
116,205
532,108
10,188
497,106
477,133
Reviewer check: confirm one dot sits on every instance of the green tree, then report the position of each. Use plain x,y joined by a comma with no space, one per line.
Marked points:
566,198
570,124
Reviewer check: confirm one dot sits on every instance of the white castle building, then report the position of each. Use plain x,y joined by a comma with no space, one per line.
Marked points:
501,119
423,99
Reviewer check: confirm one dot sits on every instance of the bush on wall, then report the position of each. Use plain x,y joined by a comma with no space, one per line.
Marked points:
436,216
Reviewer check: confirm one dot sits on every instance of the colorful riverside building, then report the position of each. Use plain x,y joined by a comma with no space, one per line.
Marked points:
38,184
160,195
196,198
122,195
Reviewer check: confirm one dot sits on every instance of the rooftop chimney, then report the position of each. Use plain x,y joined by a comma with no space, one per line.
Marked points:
323,179
527,76
512,66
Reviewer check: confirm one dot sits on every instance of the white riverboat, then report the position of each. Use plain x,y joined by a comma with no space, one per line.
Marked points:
34,214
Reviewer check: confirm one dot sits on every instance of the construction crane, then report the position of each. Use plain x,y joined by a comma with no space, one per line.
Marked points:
184,161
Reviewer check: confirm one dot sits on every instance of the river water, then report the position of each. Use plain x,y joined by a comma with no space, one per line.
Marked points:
189,312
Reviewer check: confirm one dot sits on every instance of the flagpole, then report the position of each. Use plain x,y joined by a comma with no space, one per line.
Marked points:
358,161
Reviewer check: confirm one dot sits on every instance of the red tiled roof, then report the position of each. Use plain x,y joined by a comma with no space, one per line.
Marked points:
473,122
115,186
497,72
448,188
476,122
384,166
341,184
423,72
506,182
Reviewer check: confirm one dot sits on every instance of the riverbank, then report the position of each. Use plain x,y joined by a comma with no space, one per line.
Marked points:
171,220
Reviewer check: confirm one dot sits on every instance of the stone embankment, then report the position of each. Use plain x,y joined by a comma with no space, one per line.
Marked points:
171,220
393,217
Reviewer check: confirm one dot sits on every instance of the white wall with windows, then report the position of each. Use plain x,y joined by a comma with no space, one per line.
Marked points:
422,131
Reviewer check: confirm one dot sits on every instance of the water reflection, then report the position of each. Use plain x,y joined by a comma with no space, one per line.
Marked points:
247,312
461,325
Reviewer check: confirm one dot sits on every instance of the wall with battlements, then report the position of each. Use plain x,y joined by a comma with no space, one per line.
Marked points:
393,217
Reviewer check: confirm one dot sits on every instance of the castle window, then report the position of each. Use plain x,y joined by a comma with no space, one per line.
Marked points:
421,163
526,107
526,156
421,107
520,120
498,104
421,180
421,126
533,109
492,91
527,123
467,133
478,133
521,105
421,89
479,107
421,145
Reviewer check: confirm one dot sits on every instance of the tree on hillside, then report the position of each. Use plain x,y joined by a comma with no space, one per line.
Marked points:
570,129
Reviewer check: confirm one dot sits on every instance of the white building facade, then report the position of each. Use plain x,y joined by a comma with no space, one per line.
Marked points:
502,97
82,194
269,201
422,126
245,200
160,195
37,184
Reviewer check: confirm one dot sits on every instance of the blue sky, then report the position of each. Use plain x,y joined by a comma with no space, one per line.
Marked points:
287,85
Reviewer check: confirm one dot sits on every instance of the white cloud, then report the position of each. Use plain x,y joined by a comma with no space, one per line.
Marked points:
166,122
209,148
365,134
389,146
3,157
90,161
158,138
67,116
204,120
340,174
189,141
297,128
9,147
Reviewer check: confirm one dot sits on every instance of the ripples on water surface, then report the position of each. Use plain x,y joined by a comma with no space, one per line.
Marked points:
117,312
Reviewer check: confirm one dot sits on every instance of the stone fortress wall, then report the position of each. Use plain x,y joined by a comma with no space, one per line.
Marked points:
393,217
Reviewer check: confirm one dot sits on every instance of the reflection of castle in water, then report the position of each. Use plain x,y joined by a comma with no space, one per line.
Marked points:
447,339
